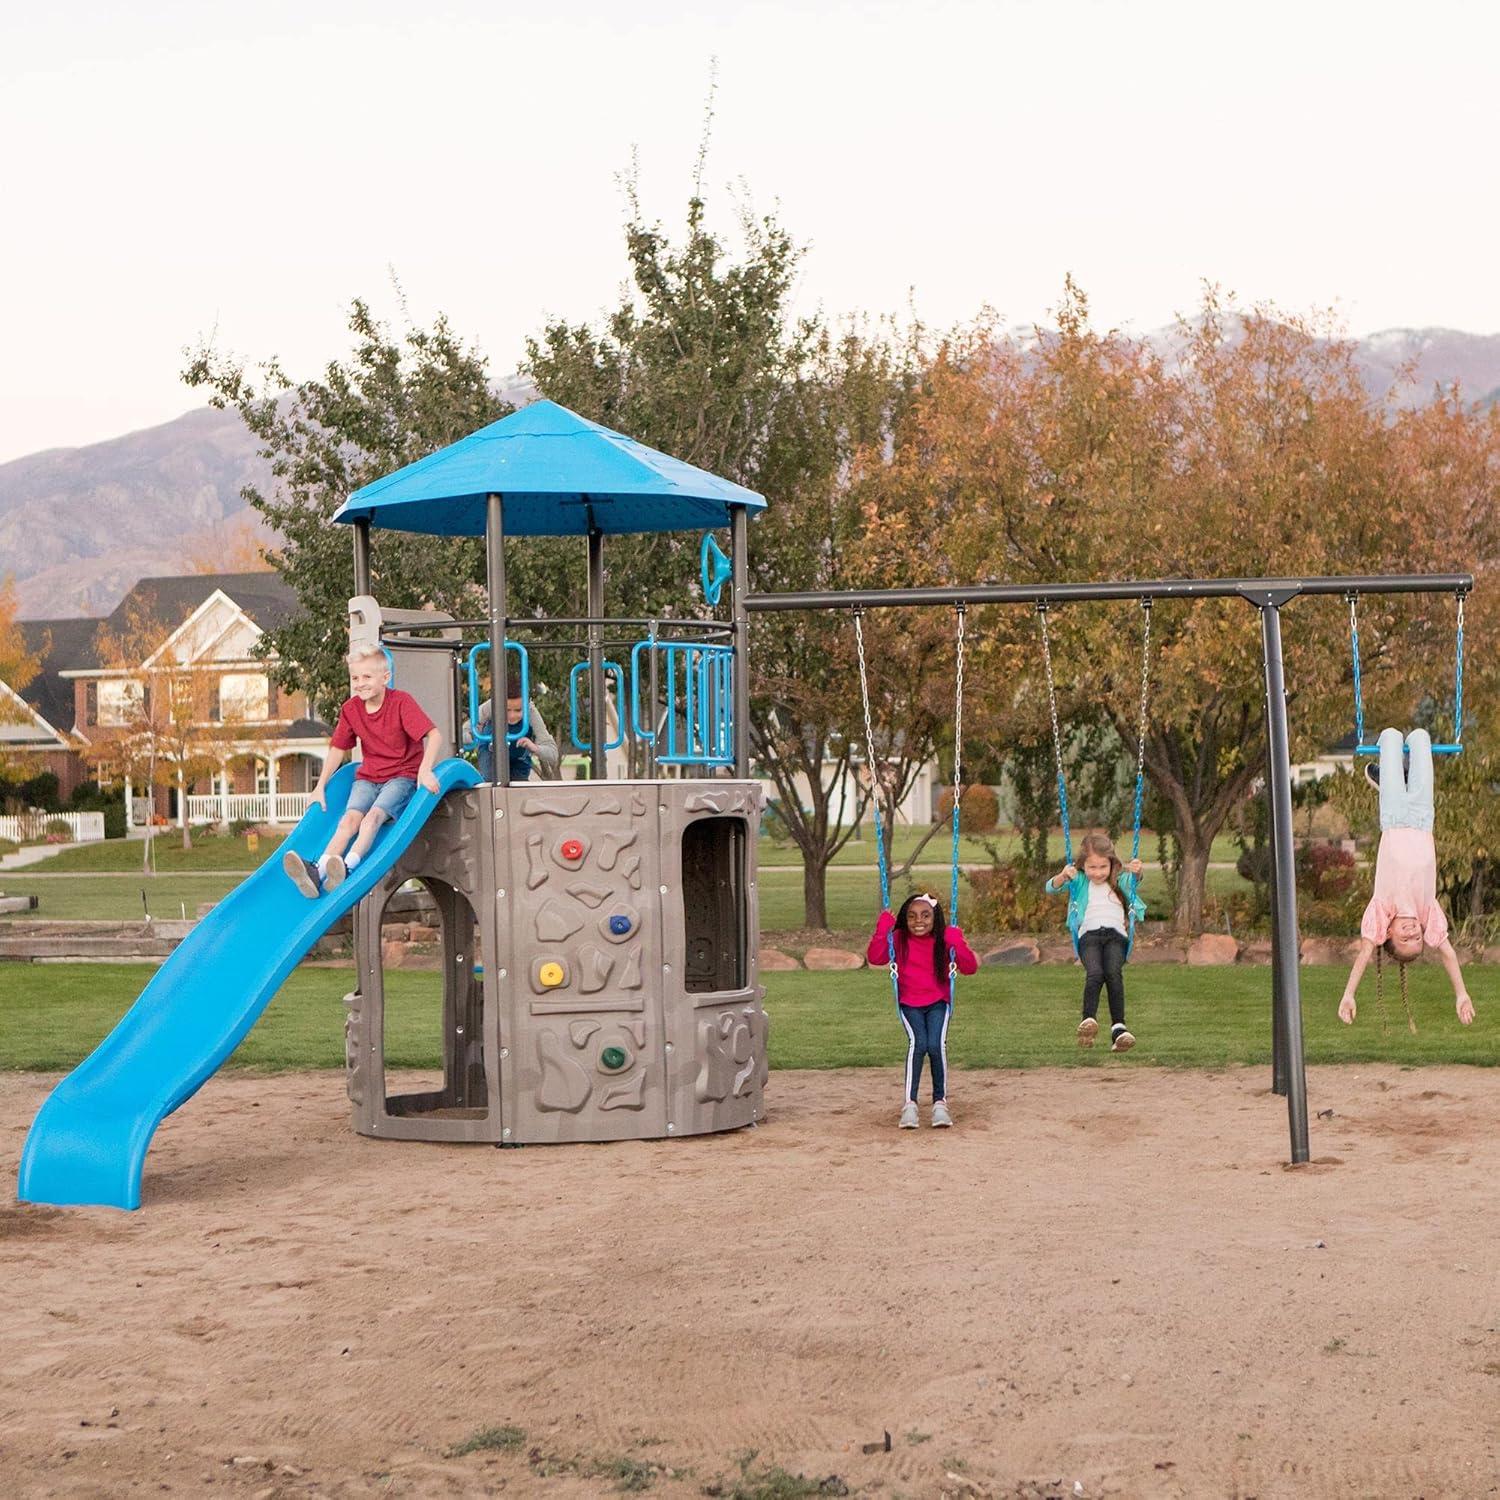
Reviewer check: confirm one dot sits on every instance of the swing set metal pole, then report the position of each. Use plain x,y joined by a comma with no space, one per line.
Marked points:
1285,959
1252,589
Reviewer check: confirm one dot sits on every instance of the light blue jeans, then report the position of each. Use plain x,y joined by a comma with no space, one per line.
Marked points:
1406,795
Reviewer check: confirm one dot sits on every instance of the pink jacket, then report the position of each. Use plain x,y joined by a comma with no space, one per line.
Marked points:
916,979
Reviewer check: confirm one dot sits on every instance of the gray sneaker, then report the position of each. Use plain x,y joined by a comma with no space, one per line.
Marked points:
302,873
335,873
941,1119
909,1115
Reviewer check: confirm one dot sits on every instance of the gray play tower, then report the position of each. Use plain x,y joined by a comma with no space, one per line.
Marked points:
598,936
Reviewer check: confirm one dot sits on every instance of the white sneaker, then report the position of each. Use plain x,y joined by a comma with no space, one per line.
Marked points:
303,874
908,1115
1122,1042
335,873
1088,1029
941,1119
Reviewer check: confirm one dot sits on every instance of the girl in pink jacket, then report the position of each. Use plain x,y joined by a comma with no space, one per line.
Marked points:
917,943
1403,916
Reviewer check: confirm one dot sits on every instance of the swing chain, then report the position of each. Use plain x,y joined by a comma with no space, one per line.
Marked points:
1140,747
1359,692
958,753
1458,679
885,882
1062,784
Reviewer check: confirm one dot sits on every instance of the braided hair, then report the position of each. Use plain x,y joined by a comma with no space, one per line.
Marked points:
1381,954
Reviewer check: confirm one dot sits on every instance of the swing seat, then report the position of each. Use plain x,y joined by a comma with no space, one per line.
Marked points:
1436,749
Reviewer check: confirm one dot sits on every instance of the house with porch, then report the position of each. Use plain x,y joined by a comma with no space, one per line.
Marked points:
246,750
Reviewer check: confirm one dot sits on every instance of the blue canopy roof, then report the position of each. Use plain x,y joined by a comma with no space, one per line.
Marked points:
558,474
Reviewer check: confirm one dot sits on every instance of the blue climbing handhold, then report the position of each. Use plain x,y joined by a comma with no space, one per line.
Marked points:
619,925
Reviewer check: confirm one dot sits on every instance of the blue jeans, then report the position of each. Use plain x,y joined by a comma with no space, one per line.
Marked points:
1406,795
387,797
520,770
927,1036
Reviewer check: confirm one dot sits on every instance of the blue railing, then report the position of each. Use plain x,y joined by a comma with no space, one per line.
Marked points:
487,736
699,709
611,669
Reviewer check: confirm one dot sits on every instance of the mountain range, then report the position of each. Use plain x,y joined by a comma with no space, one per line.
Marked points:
79,526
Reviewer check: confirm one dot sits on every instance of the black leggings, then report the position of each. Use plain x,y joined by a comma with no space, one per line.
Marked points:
1103,955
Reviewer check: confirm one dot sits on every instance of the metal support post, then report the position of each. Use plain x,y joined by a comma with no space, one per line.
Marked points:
361,531
1288,979
739,547
494,562
597,768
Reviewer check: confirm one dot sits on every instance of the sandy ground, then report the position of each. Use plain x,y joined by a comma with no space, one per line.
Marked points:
1102,1278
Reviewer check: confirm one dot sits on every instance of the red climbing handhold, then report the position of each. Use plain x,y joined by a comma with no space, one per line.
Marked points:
572,849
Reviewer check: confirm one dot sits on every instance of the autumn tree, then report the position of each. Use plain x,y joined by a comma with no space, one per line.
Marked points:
234,546
1249,447
18,668
162,727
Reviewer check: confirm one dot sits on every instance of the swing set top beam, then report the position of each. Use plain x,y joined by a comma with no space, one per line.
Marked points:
1257,591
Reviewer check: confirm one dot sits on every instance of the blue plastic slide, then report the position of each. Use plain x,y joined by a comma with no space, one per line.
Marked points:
88,1142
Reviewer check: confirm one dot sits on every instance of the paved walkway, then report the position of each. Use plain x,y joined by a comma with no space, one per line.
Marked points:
33,854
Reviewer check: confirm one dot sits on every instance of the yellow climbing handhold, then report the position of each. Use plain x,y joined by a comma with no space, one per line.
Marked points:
551,975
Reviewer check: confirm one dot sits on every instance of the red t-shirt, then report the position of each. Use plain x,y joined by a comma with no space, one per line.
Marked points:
391,737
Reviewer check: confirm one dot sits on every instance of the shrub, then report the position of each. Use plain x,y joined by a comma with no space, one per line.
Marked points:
58,831
1325,871
89,796
978,809
1254,864
1009,898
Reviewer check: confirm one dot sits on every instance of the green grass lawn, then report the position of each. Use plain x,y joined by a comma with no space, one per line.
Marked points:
52,1015
209,852
113,898
853,894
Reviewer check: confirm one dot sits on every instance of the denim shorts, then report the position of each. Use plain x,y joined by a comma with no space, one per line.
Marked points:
387,797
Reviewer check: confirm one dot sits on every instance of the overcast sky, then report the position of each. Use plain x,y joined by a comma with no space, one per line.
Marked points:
174,169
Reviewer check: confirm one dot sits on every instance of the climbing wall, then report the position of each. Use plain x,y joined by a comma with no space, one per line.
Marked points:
619,998
583,1032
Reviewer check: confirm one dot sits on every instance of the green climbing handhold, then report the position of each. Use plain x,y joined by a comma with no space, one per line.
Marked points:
613,1058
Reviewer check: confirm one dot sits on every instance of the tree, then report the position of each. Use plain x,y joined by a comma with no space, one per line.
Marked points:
18,668
1250,449
233,546
704,360
393,401
162,728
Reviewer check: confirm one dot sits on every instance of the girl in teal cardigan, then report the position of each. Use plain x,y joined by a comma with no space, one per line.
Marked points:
1102,911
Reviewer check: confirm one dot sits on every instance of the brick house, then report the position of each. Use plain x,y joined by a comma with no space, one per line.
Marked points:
269,747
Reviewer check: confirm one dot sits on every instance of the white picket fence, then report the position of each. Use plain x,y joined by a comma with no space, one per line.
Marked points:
28,827
248,807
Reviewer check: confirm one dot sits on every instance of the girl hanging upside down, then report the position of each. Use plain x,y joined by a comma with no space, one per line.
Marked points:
921,959
1403,916
1102,912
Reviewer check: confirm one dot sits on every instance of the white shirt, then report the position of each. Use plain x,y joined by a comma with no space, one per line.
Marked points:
1103,909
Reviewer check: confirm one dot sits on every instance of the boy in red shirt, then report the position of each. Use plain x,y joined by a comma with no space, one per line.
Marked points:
400,746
